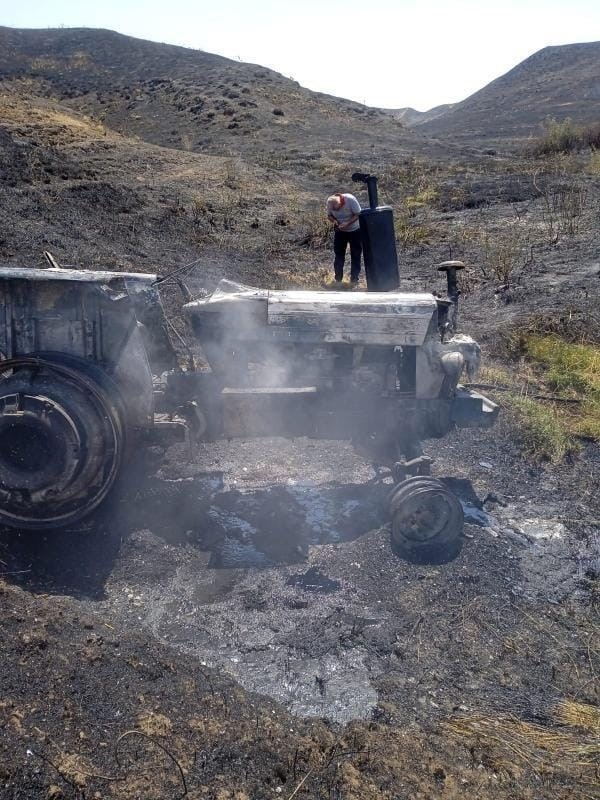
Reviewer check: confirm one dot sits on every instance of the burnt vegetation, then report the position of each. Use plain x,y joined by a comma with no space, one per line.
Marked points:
121,154
565,136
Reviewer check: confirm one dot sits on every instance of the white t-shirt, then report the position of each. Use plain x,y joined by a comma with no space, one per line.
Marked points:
351,206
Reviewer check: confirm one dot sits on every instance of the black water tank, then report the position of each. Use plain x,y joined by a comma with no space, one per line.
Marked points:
379,249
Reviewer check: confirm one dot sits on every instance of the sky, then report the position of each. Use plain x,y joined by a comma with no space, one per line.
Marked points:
385,53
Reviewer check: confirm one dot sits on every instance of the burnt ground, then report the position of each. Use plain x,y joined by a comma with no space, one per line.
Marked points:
238,626
235,624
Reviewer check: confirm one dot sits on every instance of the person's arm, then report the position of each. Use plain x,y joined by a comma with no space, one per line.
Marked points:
349,222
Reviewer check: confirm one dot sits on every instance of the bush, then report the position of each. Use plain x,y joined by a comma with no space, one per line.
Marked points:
506,252
564,136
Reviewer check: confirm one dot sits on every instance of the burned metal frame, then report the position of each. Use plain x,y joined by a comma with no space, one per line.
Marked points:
88,375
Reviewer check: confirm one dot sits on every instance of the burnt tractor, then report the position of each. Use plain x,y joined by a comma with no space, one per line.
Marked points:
88,375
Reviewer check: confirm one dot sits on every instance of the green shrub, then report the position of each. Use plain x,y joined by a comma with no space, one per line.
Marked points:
565,136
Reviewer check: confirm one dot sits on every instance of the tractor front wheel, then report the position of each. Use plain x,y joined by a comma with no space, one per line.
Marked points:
427,520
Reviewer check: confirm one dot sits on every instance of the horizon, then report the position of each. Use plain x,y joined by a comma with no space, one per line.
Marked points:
479,54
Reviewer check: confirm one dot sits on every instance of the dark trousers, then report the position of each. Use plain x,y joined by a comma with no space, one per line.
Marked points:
341,239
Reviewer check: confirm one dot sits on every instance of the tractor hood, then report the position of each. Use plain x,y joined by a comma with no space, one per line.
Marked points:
241,312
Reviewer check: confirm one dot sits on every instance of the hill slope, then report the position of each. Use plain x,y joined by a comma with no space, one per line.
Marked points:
557,82
98,198
192,100
412,117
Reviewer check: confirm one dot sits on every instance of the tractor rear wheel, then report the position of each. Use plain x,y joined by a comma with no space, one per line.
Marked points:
62,440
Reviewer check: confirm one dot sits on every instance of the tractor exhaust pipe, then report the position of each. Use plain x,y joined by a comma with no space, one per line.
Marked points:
378,240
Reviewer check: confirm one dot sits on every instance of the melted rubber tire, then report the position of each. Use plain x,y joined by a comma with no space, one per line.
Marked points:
427,520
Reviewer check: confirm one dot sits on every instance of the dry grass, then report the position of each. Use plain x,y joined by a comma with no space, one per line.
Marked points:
593,166
410,233
568,745
578,715
20,111
566,136
314,228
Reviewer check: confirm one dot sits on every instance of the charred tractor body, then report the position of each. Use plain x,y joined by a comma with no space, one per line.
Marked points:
88,375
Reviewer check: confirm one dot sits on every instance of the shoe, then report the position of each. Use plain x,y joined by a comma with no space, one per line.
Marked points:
354,284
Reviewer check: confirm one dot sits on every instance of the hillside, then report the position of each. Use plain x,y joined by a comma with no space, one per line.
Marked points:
411,117
97,198
135,155
196,101
557,82
235,623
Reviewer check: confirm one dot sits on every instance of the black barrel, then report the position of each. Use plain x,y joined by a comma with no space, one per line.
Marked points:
379,249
